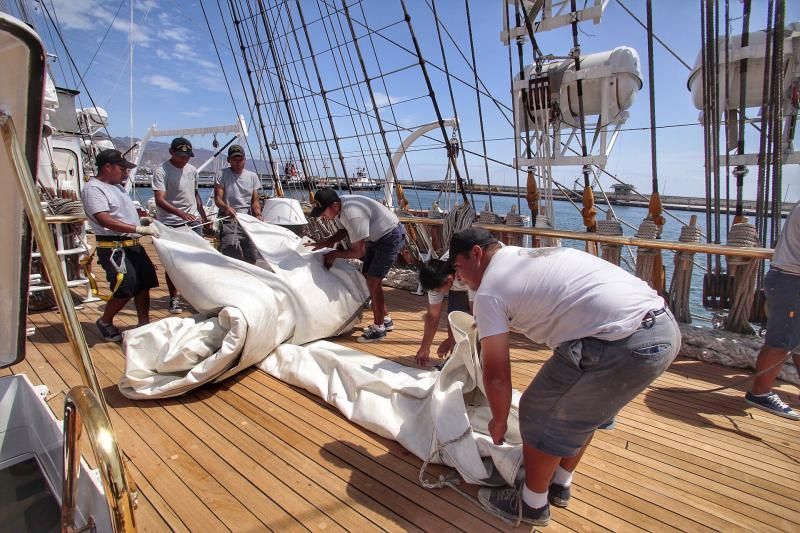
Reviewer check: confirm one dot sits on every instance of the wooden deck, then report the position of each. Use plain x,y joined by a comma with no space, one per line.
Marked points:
255,454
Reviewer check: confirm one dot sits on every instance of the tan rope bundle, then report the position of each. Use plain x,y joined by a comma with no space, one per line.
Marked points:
743,270
682,274
648,260
611,227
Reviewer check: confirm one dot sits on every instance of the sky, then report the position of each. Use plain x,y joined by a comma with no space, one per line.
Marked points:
177,80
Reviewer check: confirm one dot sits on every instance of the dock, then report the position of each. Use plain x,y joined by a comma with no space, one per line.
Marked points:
255,454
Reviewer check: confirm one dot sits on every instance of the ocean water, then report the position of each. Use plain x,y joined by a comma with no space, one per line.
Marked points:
567,217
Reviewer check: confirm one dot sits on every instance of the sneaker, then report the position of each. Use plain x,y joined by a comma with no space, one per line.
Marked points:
772,403
507,502
175,305
388,325
558,495
109,331
372,333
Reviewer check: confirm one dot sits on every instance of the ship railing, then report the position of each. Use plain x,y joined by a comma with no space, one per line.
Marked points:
50,259
83,411
707,248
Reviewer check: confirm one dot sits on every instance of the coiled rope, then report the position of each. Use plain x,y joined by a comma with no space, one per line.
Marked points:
743,270
682,275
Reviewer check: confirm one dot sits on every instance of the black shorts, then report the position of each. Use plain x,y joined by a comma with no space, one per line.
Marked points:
140,273
381,254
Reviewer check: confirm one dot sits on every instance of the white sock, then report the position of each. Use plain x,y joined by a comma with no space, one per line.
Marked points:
535,500
386,318
562,477
380,327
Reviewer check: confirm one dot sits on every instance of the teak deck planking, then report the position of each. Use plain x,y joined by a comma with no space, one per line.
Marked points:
253,453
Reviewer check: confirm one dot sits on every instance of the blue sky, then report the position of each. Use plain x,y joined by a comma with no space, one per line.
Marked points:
177,80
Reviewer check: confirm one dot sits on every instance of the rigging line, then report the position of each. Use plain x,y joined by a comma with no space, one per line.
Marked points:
308,79
369,89
282,59
359,113
474,68
525,104
452,99
576,52
324,96
513,102
389,99
249,72
282,85
727,112
103,40
72,61
662,43
741,170
330,49
717,129
652,89
377,162
241,83
225,77
422,62
777,117
499,104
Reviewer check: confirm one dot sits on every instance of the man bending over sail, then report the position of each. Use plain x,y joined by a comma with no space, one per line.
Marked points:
376,235
611,336
438,278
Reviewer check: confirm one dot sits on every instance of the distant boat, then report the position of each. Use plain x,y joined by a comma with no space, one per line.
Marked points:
362,182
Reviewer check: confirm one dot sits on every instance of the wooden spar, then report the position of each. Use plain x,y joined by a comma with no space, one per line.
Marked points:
715,249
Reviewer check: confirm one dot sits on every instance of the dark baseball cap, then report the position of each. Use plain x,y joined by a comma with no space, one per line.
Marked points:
323,199
235,149
463,241
113,157
182,147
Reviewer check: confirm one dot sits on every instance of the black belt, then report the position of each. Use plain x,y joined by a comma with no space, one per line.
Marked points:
649,319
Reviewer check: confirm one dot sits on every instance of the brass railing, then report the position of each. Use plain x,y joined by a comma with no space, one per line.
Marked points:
82,410
41,232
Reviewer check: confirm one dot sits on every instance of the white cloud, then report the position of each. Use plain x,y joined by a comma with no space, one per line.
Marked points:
383,99
175,33
82,15
184,49
165,83
161,54
199,112
145,5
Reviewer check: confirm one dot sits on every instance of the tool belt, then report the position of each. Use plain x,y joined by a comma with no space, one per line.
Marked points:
127,243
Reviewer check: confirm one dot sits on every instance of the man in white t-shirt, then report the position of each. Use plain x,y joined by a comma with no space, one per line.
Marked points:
376,235
611,336
782,291
117,228
178,202
438,278
236,191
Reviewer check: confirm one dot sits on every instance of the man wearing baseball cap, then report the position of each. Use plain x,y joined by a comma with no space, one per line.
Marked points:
236,191
117,228
178,202
611,336
376,235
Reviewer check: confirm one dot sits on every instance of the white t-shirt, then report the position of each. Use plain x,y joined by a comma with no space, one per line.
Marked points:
554,295
364,218
437,297
238,190
180,185
98,196
787,249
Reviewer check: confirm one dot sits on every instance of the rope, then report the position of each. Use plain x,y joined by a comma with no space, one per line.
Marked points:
610,226
743,271
648,260
680,285
66,207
